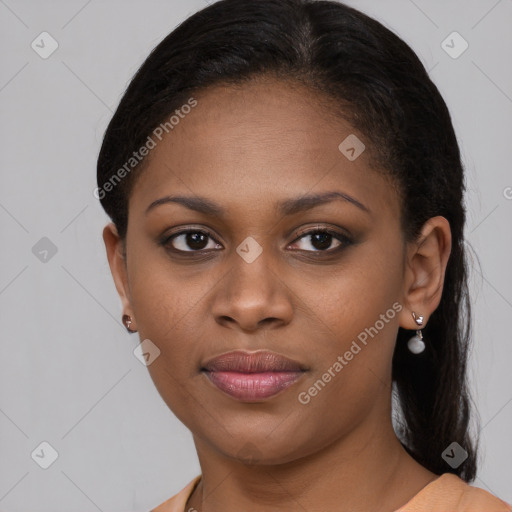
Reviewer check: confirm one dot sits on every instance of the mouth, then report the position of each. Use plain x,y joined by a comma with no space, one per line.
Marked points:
252,376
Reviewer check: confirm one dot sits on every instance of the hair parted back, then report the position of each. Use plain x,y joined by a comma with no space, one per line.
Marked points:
377,83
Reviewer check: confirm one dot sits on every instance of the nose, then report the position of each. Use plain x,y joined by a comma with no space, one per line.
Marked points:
252,296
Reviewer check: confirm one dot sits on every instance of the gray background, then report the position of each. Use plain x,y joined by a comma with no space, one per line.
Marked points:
68,375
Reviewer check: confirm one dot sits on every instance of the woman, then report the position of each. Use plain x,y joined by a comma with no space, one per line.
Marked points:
286,192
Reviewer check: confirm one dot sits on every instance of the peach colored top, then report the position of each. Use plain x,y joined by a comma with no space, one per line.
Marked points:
447,493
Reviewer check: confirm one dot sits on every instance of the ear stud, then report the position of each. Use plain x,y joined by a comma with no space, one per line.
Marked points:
416,344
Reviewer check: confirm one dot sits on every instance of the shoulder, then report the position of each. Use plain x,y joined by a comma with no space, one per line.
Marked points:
177,502
450,493
474,498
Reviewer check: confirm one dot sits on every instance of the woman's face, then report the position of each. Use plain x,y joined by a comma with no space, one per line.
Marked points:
256,282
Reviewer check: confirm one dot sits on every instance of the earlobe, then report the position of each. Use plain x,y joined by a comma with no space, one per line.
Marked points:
425,270
117,263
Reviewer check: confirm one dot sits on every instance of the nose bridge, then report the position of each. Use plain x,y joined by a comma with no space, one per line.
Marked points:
252,291
252,278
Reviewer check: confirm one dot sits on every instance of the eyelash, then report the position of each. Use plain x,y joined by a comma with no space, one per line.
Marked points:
343,239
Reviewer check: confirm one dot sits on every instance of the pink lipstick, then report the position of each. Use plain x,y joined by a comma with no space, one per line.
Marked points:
252,376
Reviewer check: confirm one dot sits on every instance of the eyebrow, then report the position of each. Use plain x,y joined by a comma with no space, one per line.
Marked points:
286,207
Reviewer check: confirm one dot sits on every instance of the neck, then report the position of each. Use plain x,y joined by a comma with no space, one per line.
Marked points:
365,470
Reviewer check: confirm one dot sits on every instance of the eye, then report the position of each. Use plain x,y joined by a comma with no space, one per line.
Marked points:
191,240
197,240
321,240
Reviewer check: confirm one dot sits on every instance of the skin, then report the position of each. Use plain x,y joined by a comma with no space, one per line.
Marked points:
248,148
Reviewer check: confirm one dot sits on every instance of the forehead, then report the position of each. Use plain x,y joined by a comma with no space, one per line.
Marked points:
255,142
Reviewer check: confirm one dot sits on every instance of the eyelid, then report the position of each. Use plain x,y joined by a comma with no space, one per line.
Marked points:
336,232
180,230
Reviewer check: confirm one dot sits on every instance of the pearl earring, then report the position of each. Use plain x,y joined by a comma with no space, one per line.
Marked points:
416,344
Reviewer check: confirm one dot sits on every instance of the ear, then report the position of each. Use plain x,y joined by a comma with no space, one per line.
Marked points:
425,268
116,259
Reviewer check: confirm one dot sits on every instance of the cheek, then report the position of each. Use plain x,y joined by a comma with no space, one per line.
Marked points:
352,374
169,306
157,295
157,299
166,308
357,309
352,297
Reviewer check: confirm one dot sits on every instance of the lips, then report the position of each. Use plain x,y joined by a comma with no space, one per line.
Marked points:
252,376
